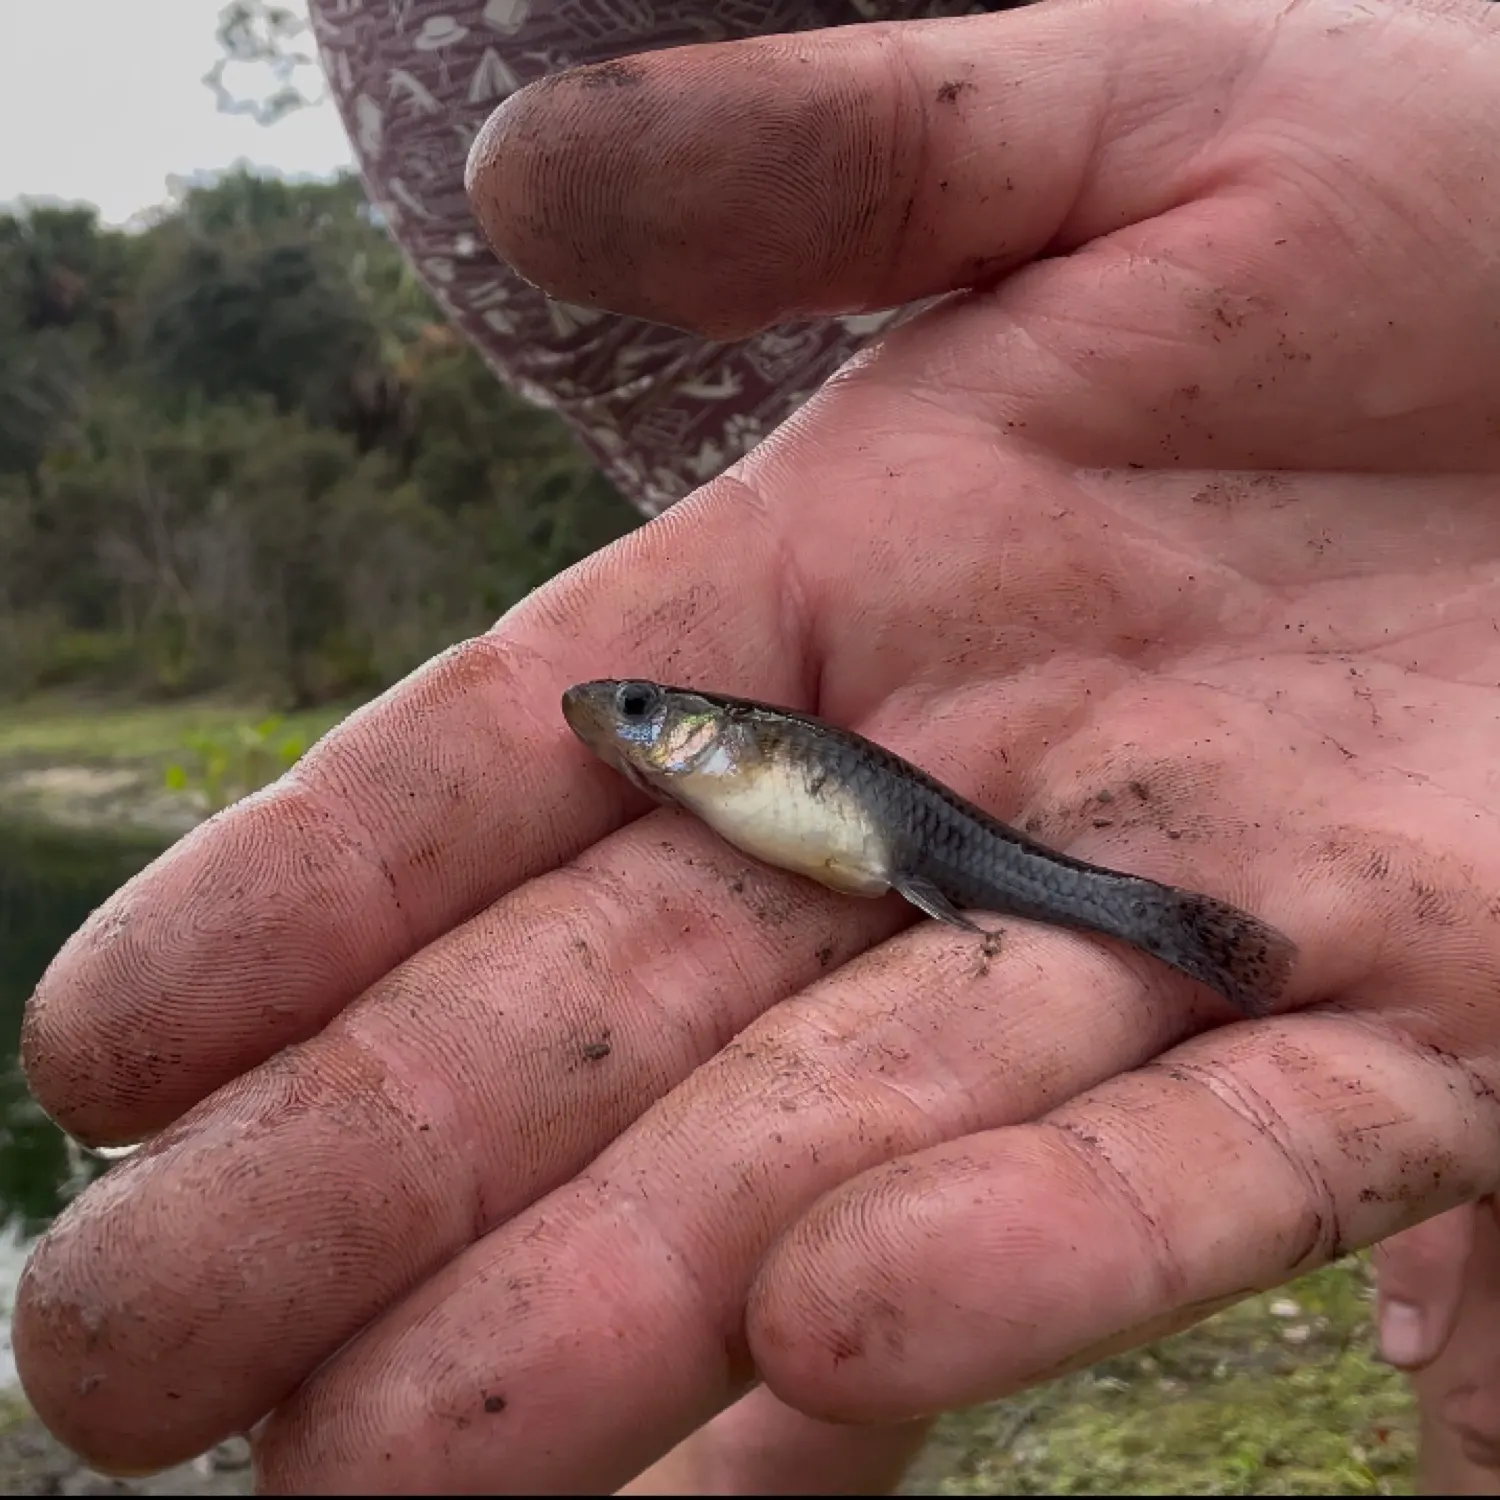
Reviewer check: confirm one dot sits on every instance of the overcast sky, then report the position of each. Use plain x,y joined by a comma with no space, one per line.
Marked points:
102,100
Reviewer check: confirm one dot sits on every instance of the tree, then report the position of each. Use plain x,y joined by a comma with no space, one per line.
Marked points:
243,448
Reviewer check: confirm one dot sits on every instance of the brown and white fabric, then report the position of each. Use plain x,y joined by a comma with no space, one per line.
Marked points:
661,411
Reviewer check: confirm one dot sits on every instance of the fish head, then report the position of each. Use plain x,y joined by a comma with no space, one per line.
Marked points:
649,733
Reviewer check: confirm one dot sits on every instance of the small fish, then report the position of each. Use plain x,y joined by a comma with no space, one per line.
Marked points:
820,801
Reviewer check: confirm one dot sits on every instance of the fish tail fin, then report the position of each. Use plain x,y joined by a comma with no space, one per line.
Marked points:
1246,960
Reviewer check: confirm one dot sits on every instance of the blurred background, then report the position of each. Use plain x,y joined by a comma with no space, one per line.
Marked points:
248,478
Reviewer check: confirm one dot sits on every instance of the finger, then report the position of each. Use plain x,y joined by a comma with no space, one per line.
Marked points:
760,1447
927,1072
420,810
1420,1280
652,1248
619,1295
1458,1392
1245,265
301,1199
1237,1162
362,1141
279,1159
733,187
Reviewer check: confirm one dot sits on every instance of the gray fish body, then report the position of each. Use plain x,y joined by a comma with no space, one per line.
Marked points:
821,801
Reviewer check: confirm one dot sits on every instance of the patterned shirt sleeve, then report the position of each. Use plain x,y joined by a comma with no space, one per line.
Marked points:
659,410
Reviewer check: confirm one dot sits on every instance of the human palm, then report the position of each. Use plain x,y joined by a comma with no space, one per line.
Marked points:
1179,546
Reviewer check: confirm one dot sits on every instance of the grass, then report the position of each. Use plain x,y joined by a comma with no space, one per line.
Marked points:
83,731
157,768
1281,1395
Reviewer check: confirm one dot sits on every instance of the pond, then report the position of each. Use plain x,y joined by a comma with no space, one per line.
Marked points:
50,880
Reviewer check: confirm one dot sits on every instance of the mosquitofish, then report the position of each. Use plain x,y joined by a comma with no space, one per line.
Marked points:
806,796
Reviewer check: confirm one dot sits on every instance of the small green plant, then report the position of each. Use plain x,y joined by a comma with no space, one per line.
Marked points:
222,765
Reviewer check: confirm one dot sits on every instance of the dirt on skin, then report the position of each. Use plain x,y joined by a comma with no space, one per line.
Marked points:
1284,1394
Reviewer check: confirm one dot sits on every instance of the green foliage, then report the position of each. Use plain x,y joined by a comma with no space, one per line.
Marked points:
223,765
241,449
61,289
1283,1394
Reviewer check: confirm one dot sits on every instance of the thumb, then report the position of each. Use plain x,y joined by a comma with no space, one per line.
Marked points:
1261,288
727,188
1420,1279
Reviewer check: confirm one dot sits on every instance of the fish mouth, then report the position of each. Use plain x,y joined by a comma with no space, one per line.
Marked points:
588,708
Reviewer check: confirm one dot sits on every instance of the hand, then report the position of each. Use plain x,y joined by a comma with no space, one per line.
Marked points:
507,1128
1438,1308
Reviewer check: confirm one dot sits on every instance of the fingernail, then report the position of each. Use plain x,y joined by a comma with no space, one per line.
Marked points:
1403,1334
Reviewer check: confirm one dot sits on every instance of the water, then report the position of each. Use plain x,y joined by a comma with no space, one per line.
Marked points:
50,880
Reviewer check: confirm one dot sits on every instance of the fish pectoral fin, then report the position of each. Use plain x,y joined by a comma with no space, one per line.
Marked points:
925,896
852,880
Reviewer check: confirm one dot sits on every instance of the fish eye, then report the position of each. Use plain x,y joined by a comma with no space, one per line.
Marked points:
636,700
